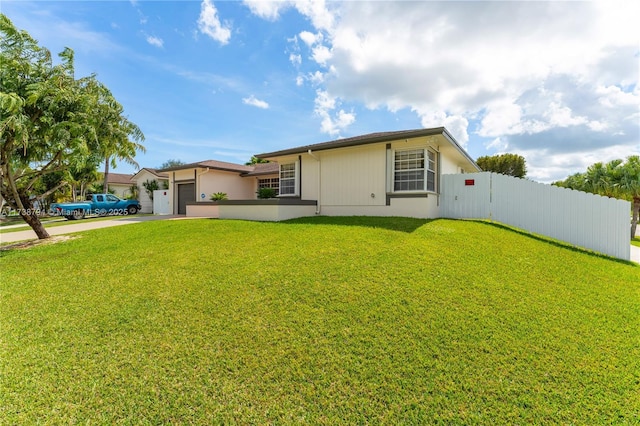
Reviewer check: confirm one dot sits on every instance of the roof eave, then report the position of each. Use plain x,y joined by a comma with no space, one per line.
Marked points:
338,144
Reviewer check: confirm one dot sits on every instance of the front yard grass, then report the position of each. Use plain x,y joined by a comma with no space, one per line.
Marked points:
320,320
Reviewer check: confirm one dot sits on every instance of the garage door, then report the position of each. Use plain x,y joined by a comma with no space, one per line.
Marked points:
186,194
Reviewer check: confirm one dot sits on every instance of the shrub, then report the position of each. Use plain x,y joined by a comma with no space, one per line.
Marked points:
264,193
219,196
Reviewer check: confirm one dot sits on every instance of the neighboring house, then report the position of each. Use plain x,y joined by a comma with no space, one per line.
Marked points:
148,175
120,184
382,174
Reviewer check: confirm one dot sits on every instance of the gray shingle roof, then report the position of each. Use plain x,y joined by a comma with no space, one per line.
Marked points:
212,164
358,140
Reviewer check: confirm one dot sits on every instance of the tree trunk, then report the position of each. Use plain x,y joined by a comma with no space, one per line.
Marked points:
30,215
105,185
634,217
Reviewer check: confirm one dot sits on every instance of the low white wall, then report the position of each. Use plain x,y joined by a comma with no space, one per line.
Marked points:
204,210
269,213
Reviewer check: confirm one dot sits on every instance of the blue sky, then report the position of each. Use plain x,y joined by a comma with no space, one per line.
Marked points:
555,82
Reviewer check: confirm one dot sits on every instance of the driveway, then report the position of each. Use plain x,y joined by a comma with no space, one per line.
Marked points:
78,226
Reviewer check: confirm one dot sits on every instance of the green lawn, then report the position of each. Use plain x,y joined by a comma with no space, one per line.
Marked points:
321,321
635,241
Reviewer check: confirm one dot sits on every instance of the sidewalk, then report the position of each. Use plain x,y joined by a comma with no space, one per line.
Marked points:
635,254
77,226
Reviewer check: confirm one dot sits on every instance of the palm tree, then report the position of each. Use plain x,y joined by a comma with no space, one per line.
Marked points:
115,137
629,183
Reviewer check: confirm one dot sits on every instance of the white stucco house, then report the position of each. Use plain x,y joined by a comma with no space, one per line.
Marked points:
379,174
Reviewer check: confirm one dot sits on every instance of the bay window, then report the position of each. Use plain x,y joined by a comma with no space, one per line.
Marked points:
414,170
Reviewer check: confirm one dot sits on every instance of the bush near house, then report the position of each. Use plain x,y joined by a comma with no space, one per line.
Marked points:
318,320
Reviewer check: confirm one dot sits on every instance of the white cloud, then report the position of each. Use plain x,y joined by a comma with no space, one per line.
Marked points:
331,124
155,41
310,38
269,10
253,101
209,23
315,10
321,54
295,59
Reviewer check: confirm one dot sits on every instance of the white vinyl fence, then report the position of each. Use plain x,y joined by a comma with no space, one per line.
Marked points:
586,220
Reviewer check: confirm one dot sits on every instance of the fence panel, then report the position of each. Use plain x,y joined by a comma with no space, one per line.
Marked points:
464,199
586,220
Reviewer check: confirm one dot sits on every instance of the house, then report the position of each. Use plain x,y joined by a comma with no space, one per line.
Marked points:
148,175
379,174
120,184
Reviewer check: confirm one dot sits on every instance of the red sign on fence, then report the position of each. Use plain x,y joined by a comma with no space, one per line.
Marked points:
469,182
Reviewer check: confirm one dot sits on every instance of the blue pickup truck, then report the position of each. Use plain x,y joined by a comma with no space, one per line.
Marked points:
100,204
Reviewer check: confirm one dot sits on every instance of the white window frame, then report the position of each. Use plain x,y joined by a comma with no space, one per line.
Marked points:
286,179
430,158
273,183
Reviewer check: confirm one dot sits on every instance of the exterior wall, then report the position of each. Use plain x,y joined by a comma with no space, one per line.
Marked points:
586,220
212,181
423,208
145,201
120,190
448,166
353,177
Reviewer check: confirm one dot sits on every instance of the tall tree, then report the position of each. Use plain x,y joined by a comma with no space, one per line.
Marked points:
49,120
115,134
506,164
629,183
171,163
255,160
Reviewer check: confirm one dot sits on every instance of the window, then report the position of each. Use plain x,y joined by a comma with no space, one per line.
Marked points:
431,171
112,198
410,169
273,183
288,179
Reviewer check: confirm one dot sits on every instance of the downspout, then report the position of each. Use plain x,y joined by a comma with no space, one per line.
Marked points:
198,183
315,157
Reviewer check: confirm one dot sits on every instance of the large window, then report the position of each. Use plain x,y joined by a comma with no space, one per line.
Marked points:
273,183
414,170
288,179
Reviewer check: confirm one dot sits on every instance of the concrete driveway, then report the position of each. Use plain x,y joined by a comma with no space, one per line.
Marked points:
80,225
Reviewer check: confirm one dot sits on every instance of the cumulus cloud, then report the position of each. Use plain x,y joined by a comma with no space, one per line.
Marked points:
519,75
210,25
155,41
332,122
253,101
